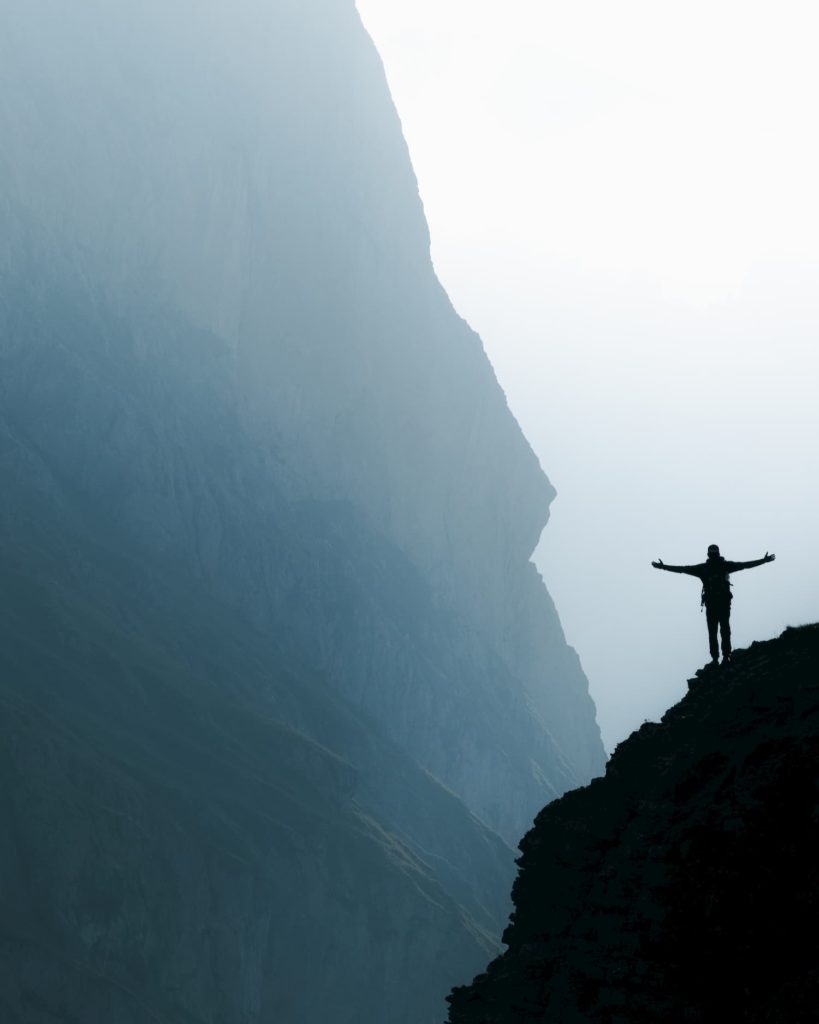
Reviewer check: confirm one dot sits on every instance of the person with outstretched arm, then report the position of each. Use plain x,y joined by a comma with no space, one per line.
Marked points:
716,593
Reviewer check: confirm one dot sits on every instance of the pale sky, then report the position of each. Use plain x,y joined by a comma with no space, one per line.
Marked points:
623,202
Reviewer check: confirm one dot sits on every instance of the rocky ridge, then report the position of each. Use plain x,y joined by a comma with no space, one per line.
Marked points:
682,886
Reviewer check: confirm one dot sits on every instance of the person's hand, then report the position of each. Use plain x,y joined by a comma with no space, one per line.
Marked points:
659,563
769,558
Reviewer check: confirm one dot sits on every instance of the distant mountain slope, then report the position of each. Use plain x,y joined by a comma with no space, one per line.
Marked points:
173,852
281,683
243,167
683,886
191,815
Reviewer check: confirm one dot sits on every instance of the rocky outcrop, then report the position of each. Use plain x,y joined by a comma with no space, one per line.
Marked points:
682,886
281,681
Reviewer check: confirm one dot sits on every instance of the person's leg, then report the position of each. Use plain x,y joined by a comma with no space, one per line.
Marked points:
725,630
712,618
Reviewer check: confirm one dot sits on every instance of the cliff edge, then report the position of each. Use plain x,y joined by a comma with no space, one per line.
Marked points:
683,885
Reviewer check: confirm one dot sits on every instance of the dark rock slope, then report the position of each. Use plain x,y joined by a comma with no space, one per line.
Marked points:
278,680
683,886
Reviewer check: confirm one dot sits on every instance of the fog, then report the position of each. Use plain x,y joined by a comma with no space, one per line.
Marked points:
622,202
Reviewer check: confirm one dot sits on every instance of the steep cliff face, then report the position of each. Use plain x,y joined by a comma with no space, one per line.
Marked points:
277,667
193,818
683,886
244,167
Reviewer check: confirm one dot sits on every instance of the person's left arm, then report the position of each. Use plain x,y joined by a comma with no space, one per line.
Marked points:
736,566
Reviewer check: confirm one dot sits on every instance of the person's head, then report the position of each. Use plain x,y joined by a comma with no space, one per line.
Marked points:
713,551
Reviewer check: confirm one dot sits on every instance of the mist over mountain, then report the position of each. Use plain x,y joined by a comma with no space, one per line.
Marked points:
281,686
683,885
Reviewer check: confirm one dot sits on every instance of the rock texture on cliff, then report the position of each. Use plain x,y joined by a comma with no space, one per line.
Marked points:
683,886
280,683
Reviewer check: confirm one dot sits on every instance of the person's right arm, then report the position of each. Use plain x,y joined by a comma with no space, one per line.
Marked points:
689,570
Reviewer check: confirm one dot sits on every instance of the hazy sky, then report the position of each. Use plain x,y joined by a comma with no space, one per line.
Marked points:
623,202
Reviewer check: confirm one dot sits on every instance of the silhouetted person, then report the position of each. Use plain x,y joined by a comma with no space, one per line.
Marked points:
716,593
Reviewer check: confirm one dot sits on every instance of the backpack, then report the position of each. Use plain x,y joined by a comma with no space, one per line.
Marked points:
716,586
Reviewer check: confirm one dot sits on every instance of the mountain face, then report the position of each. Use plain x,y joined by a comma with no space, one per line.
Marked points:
280,683
683,886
